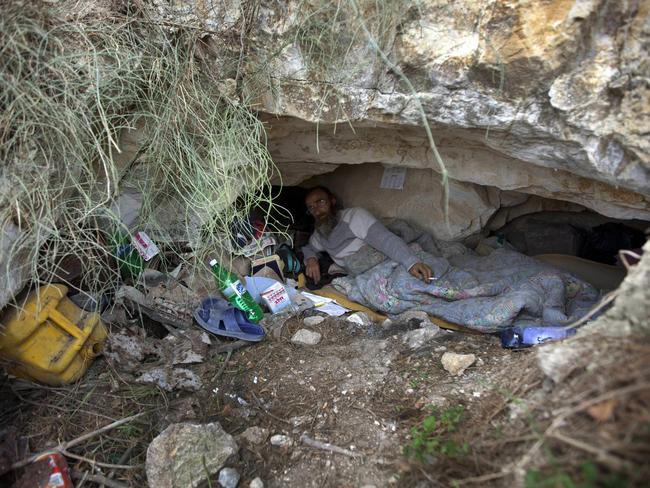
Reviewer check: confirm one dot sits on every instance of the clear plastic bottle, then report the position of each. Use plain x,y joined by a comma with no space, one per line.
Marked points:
235,292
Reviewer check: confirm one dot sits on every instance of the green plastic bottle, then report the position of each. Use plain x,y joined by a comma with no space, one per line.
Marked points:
128,259
235,292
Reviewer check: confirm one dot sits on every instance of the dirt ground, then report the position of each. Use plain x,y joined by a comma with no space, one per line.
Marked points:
361,391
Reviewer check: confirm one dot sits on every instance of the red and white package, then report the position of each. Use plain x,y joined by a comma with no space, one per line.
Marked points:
275,297
145,246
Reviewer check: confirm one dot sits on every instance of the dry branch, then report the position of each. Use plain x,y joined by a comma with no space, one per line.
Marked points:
62,447
326,446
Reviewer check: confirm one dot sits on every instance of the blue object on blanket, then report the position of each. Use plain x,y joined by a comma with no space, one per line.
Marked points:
520,336
221,318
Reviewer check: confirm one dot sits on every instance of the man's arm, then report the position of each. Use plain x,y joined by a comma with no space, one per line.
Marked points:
310,255
379,237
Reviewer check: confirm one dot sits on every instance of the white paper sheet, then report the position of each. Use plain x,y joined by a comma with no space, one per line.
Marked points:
316,299
332,309
393,178
325,305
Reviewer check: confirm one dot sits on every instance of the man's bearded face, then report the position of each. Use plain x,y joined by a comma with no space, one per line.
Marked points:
321,206
326,224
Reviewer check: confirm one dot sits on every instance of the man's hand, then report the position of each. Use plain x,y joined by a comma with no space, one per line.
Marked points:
312,269
421,271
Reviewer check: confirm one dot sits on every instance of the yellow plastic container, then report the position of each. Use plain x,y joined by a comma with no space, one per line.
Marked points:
50,339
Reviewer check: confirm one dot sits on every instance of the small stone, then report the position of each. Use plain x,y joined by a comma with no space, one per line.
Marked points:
306,337
437,400
456,364
257,483
359,318
418,337
281,440
228,477
312,321
176,379
301,420
255,435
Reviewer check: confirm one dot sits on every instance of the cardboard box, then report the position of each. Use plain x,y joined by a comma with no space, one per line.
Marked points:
276,298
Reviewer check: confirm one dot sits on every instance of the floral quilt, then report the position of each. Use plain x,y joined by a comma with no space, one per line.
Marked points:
485,293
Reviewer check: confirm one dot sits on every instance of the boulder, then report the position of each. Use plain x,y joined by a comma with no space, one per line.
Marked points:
185,455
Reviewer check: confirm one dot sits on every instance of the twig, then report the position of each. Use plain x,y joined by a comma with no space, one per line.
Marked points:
97,478
65,445
607,396
610,297
603,456
626,252
326,446
89,435
96,463
259,404
223,366
481,479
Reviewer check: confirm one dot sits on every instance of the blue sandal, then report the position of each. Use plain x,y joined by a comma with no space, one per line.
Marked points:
221,318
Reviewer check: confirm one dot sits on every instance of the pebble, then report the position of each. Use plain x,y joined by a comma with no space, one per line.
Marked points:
359,318
228,477
257,483
255,435
281,440
456,364
312,321
419,337
306,337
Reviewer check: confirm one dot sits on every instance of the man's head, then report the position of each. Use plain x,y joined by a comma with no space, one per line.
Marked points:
321,205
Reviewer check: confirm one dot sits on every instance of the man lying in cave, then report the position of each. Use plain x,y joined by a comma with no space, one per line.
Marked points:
354,239
484,293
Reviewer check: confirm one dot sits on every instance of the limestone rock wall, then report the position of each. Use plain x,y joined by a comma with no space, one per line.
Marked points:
547,97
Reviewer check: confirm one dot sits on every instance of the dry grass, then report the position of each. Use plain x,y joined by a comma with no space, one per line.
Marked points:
69,89
591,430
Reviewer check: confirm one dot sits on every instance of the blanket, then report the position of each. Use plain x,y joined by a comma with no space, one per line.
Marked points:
484,293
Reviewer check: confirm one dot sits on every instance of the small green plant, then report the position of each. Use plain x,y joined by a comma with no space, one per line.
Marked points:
130,431
432,437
